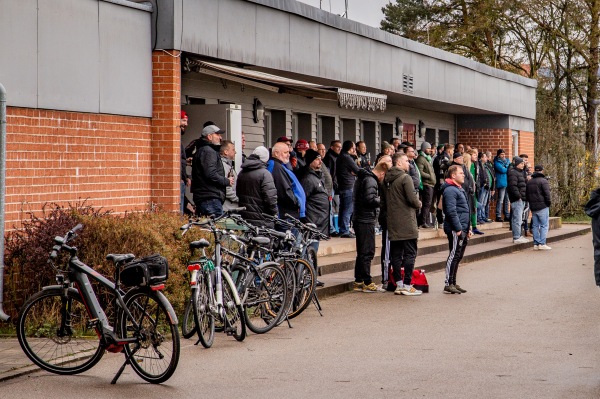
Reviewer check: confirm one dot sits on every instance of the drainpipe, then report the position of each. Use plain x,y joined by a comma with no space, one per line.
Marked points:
3,315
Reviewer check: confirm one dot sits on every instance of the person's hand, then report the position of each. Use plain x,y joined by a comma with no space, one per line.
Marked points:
231,181
459,232
470,234
188,182
189,160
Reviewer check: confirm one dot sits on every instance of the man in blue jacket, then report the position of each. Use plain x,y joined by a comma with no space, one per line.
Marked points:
501,165
457,223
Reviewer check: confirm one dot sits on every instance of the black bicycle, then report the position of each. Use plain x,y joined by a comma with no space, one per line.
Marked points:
65,330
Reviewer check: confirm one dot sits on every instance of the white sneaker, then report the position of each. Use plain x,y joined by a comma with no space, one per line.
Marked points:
544,248
521,240
411,291
400,289
536,247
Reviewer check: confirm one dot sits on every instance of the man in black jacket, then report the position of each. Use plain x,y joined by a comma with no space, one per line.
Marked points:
516,191
457,224
537,193
286,199
366,205
256,189
592,209
329,160
441,163
317,197
346,171
208,175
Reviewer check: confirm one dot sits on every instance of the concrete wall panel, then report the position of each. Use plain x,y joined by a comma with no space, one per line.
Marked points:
237,31
200,38
125,68
69,55
357,63
332,53
380,71
272,39
18,64
304,46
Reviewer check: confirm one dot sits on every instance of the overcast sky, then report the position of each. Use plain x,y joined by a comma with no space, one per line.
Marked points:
365,11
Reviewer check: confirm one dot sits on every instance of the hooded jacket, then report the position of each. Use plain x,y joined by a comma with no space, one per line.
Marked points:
366,198
501,168
290,195
231,199
402,202
317,198
208,175
456,208
426,170
537,192
256,191
517,185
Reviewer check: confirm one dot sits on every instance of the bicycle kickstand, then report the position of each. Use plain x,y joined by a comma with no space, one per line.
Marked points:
315,301
127,361
288,321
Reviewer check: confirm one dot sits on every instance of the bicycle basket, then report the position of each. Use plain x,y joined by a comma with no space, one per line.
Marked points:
151,270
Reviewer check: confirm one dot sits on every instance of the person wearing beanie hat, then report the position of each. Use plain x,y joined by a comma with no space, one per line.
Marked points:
425,166
256,189
516,191
386,149
501,164
317,196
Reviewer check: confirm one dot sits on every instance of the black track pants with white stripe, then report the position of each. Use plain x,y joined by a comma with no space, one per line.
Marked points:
457,245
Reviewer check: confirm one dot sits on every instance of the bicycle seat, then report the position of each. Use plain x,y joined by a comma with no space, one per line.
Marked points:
203,243
118,258
314,226
260,240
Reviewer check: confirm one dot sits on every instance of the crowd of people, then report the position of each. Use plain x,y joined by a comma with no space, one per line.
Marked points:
343,193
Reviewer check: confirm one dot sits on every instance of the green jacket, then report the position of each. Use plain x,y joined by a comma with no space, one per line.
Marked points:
402,202
426,169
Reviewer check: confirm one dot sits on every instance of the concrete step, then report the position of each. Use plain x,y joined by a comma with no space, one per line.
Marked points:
486,247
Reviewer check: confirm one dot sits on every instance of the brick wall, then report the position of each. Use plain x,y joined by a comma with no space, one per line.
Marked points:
486,139
527,146
166,136
57,156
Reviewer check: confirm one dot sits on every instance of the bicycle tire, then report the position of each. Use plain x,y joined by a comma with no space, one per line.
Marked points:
311,256
305,287
155,356
264,306
234,312
205,321
38,332
290,276
188,325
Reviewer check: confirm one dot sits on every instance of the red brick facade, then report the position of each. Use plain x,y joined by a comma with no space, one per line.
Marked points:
57,156
166,136
493,139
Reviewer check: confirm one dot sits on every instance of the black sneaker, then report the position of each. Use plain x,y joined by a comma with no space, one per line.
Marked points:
348,235
499,220
334,234
451,289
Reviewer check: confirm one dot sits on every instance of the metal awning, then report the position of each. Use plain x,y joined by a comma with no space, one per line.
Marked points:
346,98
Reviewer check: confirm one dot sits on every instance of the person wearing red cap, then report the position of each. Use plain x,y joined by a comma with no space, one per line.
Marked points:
301,148
185,177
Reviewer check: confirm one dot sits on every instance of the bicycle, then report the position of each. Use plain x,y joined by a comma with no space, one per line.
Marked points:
63,328
214,295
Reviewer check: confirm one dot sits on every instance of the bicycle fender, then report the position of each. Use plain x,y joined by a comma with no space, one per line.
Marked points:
163,300
59,287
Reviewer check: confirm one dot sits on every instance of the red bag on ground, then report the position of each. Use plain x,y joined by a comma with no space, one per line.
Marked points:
419,280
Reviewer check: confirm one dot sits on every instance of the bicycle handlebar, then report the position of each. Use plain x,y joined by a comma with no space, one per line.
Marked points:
301,225
62,241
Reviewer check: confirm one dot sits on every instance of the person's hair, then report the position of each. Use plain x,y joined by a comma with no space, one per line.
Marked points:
452,170
457,144
467,160
392,139
359,143
347,145
382,166
448,147
397,156
405,149
225,145
208,123
524,156
481,154
318,144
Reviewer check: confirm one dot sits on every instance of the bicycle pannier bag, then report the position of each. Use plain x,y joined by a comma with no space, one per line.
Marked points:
151,270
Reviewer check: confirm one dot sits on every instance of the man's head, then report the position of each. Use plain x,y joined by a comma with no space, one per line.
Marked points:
361,148
281,151
501,154
212,134
483,157
384,160
440,148
488,154
395,142
387,148
228,149
301,146
321,150
336,146
313,145
539,168
286,140
400,160
313,159
349,147
525,159
183,122
460,147
243,141
426,148
458,158
457,174
410,152
449,148
262,153
519,163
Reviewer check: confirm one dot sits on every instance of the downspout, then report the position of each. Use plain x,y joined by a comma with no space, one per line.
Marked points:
3,315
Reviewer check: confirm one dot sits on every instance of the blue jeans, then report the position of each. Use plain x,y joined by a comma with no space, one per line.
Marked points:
501,198
539,220
517,218
346,209
211,207
481,204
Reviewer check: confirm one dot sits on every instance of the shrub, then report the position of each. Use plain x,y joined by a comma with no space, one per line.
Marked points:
140,233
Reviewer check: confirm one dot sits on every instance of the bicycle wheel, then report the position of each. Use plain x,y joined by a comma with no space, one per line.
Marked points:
188,325
305,286
290,277
204,319
56,333
311,257
155,355
266,298
235,313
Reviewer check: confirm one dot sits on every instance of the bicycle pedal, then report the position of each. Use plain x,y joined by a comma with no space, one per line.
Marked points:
92,323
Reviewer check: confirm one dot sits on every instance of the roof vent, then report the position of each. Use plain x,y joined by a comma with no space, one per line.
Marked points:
407,84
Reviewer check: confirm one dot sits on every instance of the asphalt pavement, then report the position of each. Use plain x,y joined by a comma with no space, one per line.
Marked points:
527,328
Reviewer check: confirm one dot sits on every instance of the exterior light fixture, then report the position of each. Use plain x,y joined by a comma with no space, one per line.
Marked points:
258,110
399,127
421,128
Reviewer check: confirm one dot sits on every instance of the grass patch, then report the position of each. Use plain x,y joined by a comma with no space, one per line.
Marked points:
580,218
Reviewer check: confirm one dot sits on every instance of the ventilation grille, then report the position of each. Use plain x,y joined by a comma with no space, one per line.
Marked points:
407,84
